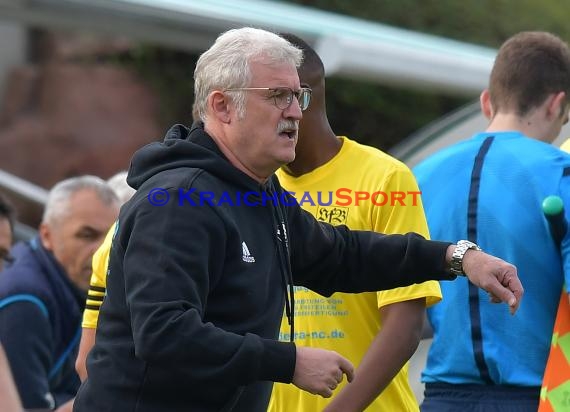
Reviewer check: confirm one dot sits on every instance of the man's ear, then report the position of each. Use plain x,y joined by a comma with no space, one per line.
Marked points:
556,105
485,102
220,105
46,236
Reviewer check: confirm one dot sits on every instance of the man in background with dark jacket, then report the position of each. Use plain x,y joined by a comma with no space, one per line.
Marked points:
207,251
42,293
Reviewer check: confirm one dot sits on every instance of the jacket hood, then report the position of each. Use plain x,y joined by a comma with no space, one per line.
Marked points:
181,148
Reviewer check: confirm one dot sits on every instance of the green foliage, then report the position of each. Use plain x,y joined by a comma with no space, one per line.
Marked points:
383,116
486,22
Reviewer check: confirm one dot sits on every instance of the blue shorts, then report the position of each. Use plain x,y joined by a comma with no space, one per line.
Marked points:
443,397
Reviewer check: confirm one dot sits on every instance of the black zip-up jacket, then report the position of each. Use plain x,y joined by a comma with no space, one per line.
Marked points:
196,287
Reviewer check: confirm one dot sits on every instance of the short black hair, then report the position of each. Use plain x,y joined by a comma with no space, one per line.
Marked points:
310,57
7,211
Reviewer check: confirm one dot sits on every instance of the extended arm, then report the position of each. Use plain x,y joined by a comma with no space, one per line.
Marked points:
340,260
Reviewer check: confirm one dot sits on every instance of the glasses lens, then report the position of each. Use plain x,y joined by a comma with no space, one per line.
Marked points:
304,98
283,97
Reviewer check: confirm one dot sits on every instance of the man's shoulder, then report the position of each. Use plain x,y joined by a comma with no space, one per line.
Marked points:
18,281
23,288
455,153
25,275
183,178
180,177
373,157
537,148
533,155
168,183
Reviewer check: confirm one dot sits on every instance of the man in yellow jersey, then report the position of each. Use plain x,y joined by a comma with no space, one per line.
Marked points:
377,331
97,284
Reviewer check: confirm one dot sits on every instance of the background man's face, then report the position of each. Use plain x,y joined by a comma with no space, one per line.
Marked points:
75,236
315,80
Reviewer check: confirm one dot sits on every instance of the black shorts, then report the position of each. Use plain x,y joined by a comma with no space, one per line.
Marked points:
442,397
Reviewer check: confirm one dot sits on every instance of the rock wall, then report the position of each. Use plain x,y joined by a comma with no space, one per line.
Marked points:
67,115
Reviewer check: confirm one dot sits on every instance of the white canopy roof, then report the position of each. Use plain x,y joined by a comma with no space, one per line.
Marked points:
350,47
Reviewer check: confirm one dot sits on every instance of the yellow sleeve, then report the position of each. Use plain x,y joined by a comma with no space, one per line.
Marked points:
98,282
565,146
404,213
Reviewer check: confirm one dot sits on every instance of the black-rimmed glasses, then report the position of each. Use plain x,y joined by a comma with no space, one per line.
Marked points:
283,96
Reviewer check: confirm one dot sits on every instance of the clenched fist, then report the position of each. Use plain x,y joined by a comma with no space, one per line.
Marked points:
319,371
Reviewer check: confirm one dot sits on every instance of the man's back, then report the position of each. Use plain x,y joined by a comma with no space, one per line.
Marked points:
493,191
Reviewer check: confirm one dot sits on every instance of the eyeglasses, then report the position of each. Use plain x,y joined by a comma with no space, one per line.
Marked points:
283,96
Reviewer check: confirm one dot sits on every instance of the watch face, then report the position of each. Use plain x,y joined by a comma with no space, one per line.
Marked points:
456,264
466,244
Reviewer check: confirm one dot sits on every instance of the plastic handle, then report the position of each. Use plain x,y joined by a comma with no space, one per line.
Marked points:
553,209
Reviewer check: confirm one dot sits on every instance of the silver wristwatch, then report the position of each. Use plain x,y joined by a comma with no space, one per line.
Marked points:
456,264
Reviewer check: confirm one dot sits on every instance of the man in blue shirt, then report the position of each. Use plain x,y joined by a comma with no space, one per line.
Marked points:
489,189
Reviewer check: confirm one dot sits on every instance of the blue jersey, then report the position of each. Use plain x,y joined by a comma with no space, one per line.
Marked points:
489,189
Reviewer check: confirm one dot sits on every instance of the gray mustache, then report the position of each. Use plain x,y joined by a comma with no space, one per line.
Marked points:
287,125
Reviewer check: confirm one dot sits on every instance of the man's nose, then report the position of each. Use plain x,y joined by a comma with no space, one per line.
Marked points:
294,110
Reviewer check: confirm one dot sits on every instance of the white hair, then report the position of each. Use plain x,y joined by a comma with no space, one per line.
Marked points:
59,197
118,183
226,65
